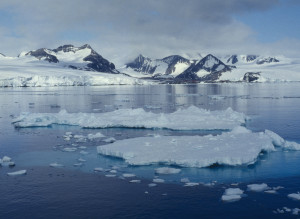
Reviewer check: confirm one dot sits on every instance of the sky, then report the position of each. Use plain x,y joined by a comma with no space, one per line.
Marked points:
119,30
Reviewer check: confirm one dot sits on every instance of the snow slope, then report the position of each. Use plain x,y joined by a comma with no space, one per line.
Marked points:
286,70
27,71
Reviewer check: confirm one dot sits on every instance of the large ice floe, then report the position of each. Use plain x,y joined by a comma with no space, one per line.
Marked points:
192,118
237,147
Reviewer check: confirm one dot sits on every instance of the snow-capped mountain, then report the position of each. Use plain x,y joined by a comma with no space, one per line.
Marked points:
266,60
233,59
82,58
209,68
169,66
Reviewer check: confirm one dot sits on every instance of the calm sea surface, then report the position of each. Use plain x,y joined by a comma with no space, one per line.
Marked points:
78,192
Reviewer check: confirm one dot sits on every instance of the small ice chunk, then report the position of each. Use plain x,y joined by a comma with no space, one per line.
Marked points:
95,136
11,164
258,187
271,191
69,149
128,175
190,184
16,173
113,171
295,211
82,147
232,194
77,164
167,170
157,180
68,133
84,152
81,160
135,181
6,159
55,165
109,140
184,180
287,209
152,184
295,196
98,169
110,175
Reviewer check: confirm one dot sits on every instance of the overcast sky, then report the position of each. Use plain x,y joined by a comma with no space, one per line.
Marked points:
122,29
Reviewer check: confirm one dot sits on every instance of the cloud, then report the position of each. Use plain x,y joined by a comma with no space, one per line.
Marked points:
119,28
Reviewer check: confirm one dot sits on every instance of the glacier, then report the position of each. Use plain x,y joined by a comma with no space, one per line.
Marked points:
192,118
237,147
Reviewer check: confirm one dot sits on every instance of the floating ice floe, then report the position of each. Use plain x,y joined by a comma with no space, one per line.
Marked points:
152,184
258,187
167,170
190,184
295,196
16,173
184,180
232,194
98,169
55,165
7,161
158,180
135,181
128,175
192,118
238,147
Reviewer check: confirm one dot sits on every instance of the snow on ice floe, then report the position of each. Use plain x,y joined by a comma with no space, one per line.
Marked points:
167,170
238,147
55,165
258,187
232,194
16,173
192,118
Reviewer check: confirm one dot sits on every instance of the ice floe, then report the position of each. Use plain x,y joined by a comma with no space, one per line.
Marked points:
232,194
258,187
295,196
152,184
128,175
238,147
192,118
167,170
157,180
55,165
190,184
7,161
16,173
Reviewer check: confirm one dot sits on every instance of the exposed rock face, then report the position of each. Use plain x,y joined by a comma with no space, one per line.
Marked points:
251,76
42,54
210,64
172,61
142,64
266,60
232,59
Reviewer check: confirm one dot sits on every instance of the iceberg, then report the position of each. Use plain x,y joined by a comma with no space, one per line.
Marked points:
238,147
192,118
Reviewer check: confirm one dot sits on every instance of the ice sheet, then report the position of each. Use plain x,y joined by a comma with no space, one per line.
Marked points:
192,118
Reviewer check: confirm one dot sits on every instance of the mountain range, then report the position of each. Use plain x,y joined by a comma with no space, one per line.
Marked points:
171,69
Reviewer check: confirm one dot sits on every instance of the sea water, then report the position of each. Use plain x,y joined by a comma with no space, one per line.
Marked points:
76,190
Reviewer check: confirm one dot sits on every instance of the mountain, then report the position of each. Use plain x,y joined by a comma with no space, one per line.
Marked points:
266,60
209,68
233,59
82,58
169,66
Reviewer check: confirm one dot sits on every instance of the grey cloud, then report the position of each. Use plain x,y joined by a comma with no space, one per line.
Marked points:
134,26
